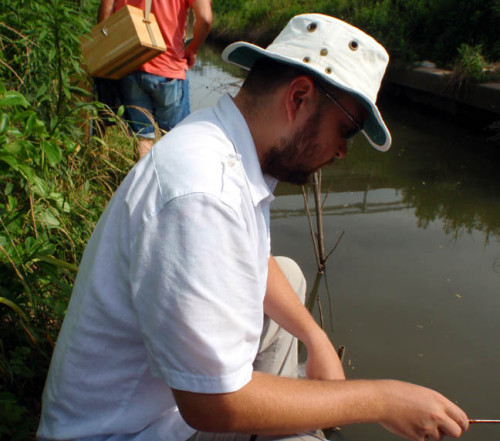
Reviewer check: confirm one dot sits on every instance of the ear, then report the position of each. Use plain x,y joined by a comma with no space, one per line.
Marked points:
299,97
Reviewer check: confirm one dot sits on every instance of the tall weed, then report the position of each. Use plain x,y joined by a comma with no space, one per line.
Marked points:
55,180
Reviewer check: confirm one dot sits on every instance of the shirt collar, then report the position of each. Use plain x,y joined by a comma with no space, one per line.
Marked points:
230,118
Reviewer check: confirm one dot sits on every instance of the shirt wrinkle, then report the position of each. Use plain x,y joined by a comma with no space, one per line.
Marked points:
171,200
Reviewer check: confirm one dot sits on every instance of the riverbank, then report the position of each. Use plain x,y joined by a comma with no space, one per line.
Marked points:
477,105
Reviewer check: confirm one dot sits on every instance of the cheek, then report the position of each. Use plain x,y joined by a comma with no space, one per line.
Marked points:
325,151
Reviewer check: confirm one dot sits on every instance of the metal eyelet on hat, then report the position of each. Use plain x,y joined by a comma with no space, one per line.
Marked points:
306,59
328,70
311,27
353,45
323,52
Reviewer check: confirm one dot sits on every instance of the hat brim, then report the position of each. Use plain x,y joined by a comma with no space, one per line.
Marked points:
245,54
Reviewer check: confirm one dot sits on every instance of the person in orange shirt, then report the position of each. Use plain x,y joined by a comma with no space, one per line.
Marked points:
161,86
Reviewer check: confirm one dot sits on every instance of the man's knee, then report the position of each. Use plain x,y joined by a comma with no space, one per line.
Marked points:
294,275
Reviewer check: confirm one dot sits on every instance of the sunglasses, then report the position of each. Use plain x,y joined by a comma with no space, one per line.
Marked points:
357,126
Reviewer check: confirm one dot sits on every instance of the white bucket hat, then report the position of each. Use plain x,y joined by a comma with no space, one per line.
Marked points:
334,51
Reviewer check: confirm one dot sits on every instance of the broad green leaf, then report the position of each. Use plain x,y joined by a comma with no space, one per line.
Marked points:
49,219
41,91
40,186
67,93
39,127
53,122
80,91
29,124
14,131
14,148
8,188
13,98
4,119
9,159
22,115
28,173
58,198
52,54
46,249
12,201
52,152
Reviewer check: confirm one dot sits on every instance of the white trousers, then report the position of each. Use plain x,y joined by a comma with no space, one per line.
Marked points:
277,355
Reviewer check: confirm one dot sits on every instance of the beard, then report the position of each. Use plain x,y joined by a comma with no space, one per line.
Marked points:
287,161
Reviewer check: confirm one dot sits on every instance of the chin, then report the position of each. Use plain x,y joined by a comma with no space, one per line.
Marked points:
297,178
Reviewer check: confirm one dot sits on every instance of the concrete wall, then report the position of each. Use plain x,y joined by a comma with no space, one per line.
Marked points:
436,88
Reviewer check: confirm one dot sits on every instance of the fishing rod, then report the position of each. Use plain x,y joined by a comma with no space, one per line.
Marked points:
484,421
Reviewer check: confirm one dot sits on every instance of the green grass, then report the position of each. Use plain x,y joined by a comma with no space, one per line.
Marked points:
411,30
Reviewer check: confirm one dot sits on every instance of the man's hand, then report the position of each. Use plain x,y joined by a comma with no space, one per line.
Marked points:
106,8
190,57
418,413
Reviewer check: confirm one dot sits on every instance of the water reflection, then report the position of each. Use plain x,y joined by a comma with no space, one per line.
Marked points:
436,169
412,287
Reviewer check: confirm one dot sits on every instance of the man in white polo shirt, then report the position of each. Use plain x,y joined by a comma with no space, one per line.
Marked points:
165,336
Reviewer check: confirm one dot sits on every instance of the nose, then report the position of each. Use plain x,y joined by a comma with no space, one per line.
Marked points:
341,150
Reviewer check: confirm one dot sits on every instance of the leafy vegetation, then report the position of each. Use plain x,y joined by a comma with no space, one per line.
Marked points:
55,179
470,64
411,30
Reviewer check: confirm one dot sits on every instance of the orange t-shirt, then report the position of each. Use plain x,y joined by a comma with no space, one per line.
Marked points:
171,18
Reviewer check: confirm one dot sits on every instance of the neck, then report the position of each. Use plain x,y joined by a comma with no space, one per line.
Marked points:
261,115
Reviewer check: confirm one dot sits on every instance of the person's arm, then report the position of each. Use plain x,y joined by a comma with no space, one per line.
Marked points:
203,23
270,404
106,8
283,306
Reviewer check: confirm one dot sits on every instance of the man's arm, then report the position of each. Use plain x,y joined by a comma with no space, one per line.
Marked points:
203,23
270,404
106,8
283,306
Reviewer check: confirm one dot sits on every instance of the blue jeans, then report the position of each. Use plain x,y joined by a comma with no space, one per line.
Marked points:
165,99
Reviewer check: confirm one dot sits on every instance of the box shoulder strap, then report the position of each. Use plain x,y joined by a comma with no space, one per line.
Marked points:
146,20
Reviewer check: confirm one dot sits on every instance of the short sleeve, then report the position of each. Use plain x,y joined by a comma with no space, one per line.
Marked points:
197,295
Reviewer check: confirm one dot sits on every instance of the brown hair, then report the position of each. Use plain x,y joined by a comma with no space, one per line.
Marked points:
266,75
